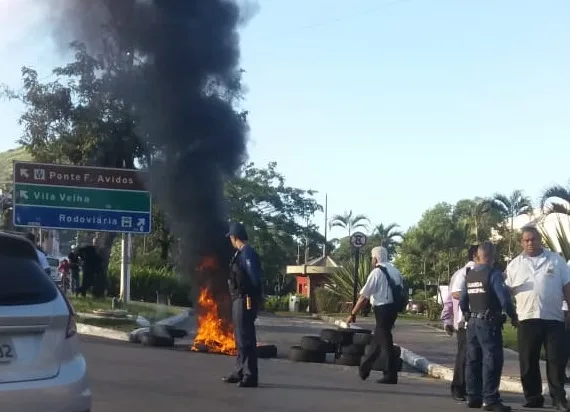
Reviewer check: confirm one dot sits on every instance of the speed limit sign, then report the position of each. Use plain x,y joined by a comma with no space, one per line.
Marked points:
358,240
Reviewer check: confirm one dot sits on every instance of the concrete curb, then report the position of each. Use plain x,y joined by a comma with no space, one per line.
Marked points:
508,384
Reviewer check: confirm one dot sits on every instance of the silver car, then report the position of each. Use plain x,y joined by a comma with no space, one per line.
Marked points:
41,365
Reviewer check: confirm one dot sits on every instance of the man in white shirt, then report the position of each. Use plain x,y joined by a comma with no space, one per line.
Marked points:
377,290
41,255
453,321
540,281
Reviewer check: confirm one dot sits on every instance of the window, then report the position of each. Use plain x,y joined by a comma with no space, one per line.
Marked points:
24,282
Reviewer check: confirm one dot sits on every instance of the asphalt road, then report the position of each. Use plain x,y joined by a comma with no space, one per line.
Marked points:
131,377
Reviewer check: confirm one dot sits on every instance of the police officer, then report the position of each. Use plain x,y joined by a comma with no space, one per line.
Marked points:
482,301
246,293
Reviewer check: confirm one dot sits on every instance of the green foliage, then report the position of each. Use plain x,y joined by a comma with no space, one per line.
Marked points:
327,301
341,281
281,303
148,284
560,241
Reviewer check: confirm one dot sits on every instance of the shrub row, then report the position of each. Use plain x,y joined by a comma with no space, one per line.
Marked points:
151,285
281,303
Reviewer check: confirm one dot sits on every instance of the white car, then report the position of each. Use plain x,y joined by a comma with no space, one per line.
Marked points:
54,269
41,364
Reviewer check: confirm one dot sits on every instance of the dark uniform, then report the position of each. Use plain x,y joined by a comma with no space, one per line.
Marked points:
246,292
482,301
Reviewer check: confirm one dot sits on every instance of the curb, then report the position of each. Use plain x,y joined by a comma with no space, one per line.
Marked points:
338,322
435,370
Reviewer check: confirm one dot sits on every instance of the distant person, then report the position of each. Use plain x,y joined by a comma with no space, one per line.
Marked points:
91,265
540,282
63,268
41,255
454,321
74,268
246,291
483,300
378,290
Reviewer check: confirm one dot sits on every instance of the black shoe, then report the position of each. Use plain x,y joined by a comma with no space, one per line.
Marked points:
248,383
387,380
363,374
497,407
458,397
474,403
560,406
231,379
534,403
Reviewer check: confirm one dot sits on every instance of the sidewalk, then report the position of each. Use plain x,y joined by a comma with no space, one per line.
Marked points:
433,352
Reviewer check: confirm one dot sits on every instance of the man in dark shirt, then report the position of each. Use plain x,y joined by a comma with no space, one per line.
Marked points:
483,299
246,293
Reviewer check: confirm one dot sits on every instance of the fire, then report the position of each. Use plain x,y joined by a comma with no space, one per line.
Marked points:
214,335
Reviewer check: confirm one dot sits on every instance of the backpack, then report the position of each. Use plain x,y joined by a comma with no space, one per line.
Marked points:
399,292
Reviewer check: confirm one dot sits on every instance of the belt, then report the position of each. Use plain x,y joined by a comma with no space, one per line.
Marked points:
485,315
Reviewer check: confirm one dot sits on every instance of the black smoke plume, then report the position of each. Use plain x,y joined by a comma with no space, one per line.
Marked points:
184,81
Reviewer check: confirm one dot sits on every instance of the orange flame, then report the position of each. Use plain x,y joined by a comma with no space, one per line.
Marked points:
213,334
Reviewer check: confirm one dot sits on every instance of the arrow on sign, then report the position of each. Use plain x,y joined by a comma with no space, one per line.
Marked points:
24,194
140,224
24,173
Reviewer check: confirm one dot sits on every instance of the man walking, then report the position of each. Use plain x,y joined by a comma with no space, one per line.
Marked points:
454,322
246,293
378,289
540,281
482,301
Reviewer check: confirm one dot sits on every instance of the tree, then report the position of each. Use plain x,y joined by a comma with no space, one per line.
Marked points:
349,222
557,198
510,207
388,236
277,217
474,216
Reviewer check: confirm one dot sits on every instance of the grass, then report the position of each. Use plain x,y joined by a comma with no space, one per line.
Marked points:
119,324
150,311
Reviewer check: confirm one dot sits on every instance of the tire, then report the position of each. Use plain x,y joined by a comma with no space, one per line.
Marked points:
329,347
148,339
266,351
331,335
346,337
353,350
399,364
362,339
312,343
135,335
298,354
397,351
348,360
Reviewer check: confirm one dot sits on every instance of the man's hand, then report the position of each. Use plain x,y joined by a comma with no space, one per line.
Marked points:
515,322
351,319
449,330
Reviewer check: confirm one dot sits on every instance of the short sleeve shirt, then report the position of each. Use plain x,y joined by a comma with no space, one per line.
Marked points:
537,284
377,288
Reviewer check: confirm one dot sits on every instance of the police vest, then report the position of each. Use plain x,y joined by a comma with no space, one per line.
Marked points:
481,295
239,282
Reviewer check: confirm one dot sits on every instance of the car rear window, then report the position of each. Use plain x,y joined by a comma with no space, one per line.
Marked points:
53,262
24,283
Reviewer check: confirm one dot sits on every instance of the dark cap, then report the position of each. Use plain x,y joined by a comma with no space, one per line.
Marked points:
237,230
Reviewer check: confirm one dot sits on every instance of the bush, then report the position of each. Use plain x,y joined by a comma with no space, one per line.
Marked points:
281,303
327,301
147,283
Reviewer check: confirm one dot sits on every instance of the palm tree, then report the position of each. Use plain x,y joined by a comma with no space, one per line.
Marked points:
349,222
510,207
556,192
477,212
388,236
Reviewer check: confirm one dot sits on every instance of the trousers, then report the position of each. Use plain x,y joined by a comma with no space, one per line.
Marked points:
458,382
533,334
383,341
484,360
245,338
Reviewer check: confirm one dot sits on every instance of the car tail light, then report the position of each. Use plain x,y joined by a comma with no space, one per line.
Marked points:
71,322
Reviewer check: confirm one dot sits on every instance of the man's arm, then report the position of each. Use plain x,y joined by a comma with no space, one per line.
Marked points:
365,293
252,266
498,284
447,312
458,281
464,300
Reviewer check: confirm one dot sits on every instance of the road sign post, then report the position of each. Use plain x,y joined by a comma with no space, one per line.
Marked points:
357,240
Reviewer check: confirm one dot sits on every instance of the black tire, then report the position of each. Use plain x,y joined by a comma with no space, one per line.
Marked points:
266,351
312,343
298,354
399,364
329,347
348,360
331,335
135,335
346,337
148,339
362,339
353,350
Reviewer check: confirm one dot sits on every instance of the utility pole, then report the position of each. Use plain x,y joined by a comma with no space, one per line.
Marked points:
326,221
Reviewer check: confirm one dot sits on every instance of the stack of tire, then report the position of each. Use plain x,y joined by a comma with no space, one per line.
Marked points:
157,335
347,345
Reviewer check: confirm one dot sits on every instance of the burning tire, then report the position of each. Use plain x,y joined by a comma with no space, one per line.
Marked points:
298,354
361,338
353,350
266,351
312,343
135,335
148,339
348,360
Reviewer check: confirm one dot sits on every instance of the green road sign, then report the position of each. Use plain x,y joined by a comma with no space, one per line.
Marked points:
73,197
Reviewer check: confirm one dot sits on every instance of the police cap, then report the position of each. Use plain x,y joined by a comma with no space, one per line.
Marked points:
238,231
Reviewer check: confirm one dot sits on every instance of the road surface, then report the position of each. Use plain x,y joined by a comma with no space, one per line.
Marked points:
131,377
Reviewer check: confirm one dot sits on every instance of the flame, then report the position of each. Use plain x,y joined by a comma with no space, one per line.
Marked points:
214,335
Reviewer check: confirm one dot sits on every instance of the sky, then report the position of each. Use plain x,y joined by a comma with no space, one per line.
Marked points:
387,106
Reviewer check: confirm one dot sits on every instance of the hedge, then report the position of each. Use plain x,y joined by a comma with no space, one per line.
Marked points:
281,303
151,284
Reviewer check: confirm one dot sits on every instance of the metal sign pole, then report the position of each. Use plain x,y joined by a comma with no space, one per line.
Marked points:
357,240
